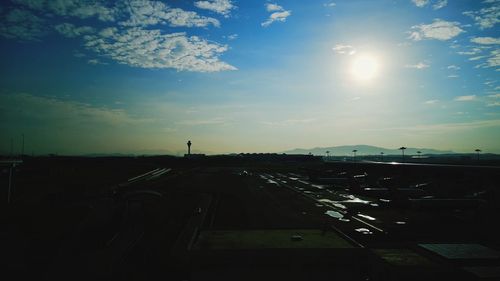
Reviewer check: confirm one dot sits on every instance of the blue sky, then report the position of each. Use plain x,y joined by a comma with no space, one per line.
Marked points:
248,76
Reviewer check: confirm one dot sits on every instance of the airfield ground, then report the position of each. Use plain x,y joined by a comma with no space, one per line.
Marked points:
191,219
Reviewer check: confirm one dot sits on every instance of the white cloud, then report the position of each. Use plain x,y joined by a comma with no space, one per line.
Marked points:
476,58
440,4
270,7
95,62
70,30
431,101
279,14
486,17
232,37
493,104
222,7
453,76
466,98
471,52
23,25
453,67
494,59
419,65
344,49
330,4
420,3
438,29
76,8
129,42
494,96
151,49
144,13
486,40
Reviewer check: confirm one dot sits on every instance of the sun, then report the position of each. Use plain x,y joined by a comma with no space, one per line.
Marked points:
364,67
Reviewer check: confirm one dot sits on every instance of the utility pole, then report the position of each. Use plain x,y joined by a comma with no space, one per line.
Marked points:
477,153
403,152
10,184
22,147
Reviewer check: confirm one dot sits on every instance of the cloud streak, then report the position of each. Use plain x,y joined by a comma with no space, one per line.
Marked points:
344,49
466,98
278,14
419,65
438,29
222,7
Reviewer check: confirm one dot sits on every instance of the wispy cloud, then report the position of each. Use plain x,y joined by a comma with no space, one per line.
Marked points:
270,7
431,101
486,17
95,62
22,25
419,65
420,3
471,52
344,49
278,14
466,98
453,67
453,76
476,58
330,4
232,37
440,4
438,29
222,7
70,30
486,40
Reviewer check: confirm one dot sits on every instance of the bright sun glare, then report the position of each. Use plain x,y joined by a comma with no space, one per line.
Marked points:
364,67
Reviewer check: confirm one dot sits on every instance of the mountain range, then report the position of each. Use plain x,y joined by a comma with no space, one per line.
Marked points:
362,149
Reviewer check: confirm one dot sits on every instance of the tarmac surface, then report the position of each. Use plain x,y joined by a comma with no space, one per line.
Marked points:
294,221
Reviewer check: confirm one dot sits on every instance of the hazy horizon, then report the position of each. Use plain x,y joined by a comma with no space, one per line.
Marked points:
248,76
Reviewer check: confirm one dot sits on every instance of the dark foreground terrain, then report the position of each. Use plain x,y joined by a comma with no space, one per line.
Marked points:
248,218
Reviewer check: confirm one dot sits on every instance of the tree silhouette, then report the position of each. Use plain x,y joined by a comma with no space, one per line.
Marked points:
418,152
381,156
328,154
354,154
477,153
403,152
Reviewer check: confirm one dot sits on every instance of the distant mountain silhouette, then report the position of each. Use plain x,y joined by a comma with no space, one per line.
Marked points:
364,150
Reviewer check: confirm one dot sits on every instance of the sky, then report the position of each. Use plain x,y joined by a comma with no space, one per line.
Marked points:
142,77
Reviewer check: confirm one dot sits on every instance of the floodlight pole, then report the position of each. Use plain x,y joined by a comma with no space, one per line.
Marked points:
9,192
